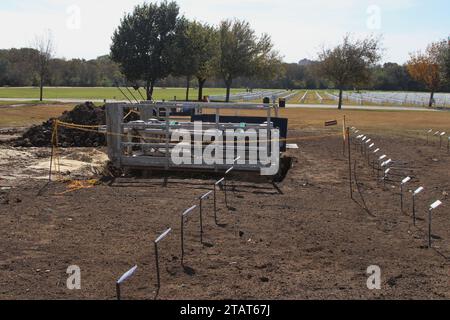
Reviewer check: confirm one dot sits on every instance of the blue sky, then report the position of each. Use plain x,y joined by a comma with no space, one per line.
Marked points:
83,28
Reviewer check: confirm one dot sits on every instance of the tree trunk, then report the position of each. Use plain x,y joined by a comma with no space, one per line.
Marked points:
228,84
149,89
201,84
41,87
188,87
340,99
431,99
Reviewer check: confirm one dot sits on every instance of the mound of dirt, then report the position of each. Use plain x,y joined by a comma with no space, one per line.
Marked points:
83,114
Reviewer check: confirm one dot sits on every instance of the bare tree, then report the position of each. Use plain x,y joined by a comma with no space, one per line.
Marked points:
350,63
43,44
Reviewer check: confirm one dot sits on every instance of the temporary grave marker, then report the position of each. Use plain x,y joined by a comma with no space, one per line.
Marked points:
428,135
386,163
434,206
404,181
124,278
415,194
215,198
386,176
440,139
448,145
349,153
202,198
158,240
380,159
183,216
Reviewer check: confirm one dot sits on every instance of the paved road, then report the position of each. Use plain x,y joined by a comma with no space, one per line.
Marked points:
289,106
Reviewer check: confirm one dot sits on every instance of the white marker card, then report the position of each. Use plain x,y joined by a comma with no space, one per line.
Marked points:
161,237
372,145
436,204
376,150
430,131
368,141
220,181
383,157
229,170
188,211
127,275
419,190
206,195
406,180
387,171
237,159
388,162
436,133
443,133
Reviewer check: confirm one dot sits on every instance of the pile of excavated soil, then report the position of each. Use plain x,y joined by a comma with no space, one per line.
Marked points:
83,114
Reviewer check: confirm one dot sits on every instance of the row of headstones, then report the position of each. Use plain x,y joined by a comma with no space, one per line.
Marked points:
385,166
421,99
222,183
250,96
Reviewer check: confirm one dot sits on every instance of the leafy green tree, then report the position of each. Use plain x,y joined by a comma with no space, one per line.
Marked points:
243,54
208,54
143,42
195,53
349,64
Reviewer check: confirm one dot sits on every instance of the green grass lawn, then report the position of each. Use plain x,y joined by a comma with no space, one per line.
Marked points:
104,93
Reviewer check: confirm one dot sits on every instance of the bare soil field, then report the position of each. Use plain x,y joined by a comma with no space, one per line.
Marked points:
309,242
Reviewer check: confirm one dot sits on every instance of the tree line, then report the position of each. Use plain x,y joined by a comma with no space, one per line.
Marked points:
18,68
156,46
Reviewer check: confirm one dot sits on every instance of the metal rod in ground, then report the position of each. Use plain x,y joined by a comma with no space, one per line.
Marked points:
429,227
401,197
204,197
225,191
182,240
160,238
201,220
215,205
183,215
414,209
118,291
158,276
350,163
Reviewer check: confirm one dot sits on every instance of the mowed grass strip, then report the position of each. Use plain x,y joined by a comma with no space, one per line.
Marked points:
105,93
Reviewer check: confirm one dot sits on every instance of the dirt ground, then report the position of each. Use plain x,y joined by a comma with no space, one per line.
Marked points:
310,242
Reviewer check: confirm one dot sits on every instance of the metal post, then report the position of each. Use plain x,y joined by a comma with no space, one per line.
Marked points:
182,240
225,190
201,220
414,209
157,266
401,197
429,227
350,163
215,205
118,291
